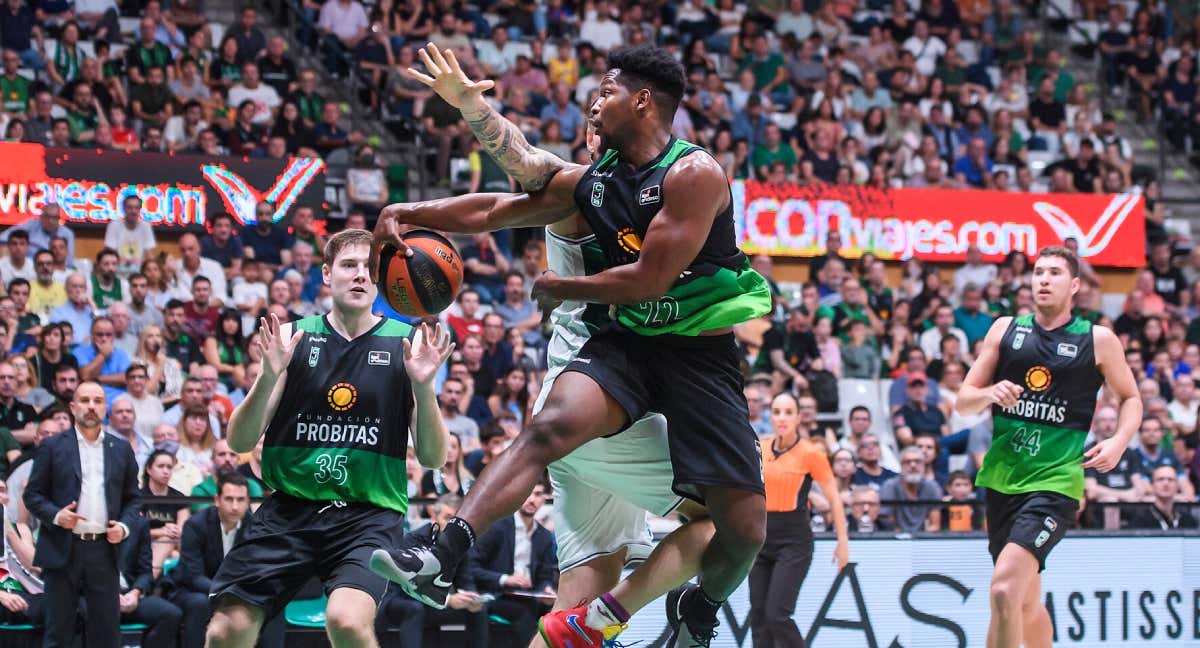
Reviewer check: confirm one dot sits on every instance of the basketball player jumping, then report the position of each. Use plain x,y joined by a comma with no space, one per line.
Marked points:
661,212
337,398
1040,374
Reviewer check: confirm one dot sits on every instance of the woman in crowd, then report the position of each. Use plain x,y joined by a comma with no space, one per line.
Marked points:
790,465
196,440
453,477
165,520
28,389
226,349
159,282
511,394
50,354
164,374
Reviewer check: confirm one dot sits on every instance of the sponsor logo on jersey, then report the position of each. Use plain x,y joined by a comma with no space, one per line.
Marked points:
1068,350
650,195
314,354
629,241
342,396
380,358
1041,538
1047,412
317,339
597,194
1018,340
1037,378
1051,524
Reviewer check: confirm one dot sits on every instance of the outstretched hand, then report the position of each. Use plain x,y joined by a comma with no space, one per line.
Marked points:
427,350
276,351
448,79
387,232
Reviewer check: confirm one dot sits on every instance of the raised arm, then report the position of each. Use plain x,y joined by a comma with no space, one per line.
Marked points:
696,190
502,139
250,419
977,392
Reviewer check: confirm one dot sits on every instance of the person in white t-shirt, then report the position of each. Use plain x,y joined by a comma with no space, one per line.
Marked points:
131,237
17,263
249,294
1182,410
266,99
600,29
925,47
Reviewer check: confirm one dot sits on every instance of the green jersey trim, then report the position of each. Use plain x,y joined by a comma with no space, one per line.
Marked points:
393,328
337,474
1027,457
313,324
679,149
723,298
1079,326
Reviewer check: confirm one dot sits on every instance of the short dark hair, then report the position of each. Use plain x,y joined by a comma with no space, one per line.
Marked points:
173,304
231,477
19,281
106,252
18,234
40,253
653,68
1064,254
199,279
220,216
859,408
56,408
489,431
956,475
64,368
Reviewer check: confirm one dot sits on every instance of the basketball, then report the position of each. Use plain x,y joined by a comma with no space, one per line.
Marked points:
425,283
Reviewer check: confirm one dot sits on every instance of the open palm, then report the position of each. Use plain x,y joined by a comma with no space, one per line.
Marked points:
276,351
448,79
427,350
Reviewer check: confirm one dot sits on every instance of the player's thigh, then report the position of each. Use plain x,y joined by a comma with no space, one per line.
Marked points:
577,410
1016,570
351,535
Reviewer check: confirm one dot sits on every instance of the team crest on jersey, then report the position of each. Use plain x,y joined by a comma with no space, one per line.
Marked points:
1038,378
314,354
380,358
650,195
1018,340
629,241
342,396
1041,538
1051,524
1068,350
597,194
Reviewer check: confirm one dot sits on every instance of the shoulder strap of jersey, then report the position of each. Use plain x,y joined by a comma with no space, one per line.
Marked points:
312,324
395,328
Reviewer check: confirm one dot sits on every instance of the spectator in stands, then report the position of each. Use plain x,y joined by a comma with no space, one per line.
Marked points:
165,520
251,42
194,265
99,359
1125,483
39,119
17,263
21,598
222,246
498,54
84,114
179,345
270,245
122,420
132,237
911,485
1152,453
85,510
251,88
164,374
148,52
246,137
16,88
519,312
60,133
226,69
148,409
188,87
77,310
302,262
41,230
343,24
19,29
864,510
463,427
517,554
224,460
152,101
1163,512
917,417
197,439
106,288
278,70
192,397
485,265
493,441
444,126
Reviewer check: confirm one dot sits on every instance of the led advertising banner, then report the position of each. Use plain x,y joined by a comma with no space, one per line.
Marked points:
176,190
903,592
936,224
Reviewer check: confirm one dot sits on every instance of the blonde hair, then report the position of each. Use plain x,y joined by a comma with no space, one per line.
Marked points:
343,240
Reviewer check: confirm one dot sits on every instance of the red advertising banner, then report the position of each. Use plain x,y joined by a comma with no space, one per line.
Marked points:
936,224
89,185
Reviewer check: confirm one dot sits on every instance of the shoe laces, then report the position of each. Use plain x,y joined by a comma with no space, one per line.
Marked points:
702,636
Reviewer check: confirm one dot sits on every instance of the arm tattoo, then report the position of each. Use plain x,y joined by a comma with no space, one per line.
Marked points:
503,140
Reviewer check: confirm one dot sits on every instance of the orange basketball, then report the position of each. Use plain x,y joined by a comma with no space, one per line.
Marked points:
425,283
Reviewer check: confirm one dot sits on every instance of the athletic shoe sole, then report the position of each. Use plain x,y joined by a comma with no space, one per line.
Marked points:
382,564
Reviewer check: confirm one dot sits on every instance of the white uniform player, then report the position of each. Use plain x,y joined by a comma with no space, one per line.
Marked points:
604,488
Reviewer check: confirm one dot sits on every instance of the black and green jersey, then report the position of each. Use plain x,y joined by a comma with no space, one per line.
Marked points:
717,290
340,432
1038,445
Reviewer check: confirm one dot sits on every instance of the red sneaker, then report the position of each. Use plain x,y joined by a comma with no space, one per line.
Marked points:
566,629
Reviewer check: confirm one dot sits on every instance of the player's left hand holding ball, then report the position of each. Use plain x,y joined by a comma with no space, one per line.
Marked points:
1104,456
426,352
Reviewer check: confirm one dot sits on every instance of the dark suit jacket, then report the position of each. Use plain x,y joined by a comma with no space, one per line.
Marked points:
201,551
494,556
136,559
55,482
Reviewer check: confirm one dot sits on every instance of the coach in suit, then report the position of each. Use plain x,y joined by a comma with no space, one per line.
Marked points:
83,489
207,537
138,605
517,554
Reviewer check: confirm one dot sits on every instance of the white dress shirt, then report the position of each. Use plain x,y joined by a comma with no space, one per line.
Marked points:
91,488
227,537
523,548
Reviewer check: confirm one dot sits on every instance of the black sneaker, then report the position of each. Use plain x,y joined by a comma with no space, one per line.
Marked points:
417,569
687,632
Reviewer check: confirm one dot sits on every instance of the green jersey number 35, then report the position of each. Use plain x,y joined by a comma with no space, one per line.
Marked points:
331,467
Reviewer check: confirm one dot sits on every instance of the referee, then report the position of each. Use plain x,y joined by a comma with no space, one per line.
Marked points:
791,464
335,399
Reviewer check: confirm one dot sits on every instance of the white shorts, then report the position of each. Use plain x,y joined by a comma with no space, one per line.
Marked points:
604,488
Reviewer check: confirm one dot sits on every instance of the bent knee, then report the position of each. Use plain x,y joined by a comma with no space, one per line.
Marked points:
547,436
1005,596
350,621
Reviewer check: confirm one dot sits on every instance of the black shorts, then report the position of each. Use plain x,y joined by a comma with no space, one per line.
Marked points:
1036,521
291,539
696,383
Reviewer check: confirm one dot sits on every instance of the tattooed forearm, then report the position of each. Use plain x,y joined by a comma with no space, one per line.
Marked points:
503,140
